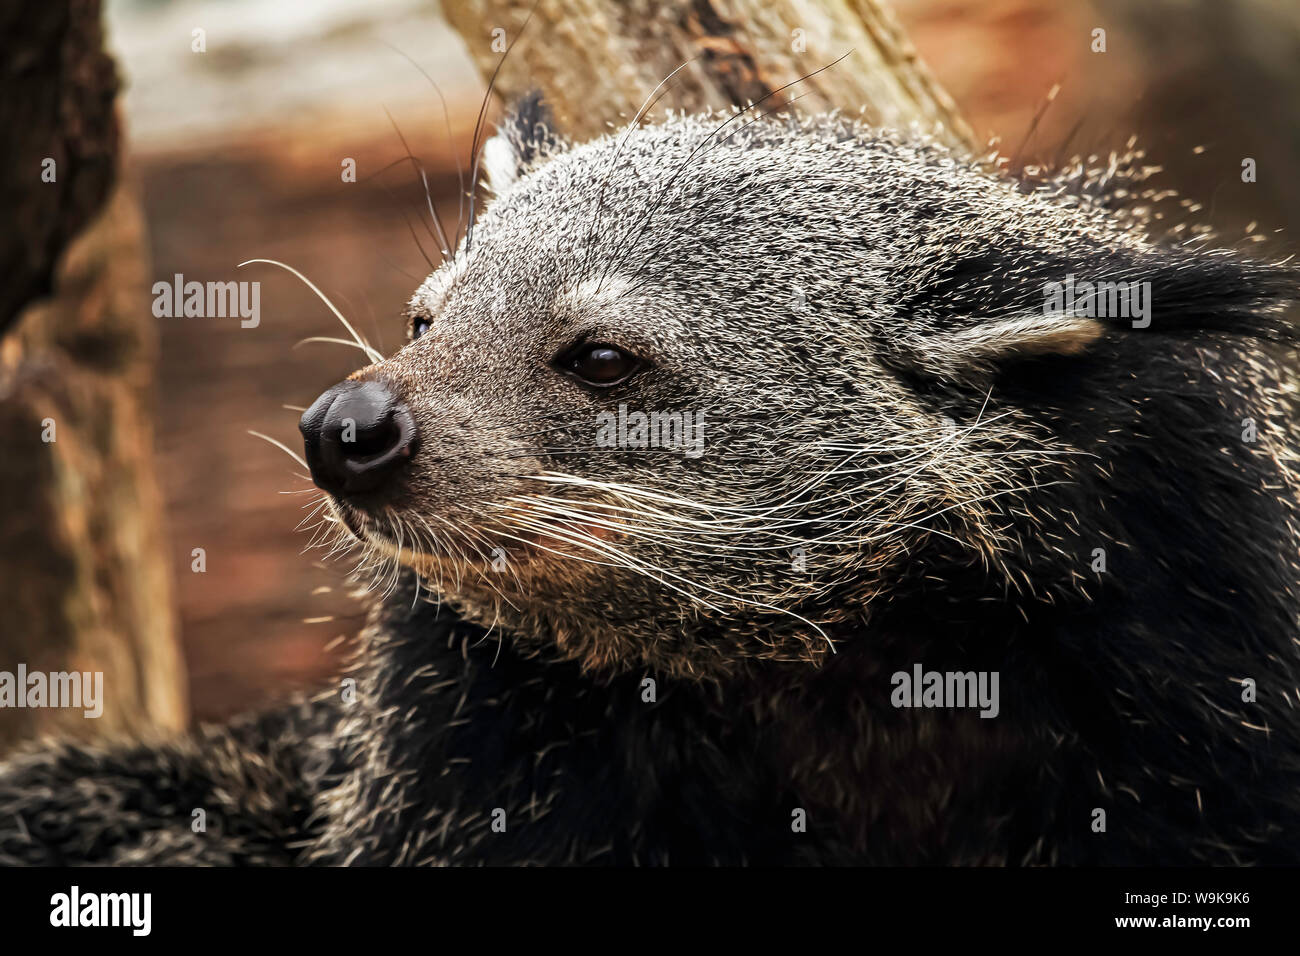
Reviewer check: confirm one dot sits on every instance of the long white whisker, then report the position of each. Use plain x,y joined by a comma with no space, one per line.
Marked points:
373,355
282,446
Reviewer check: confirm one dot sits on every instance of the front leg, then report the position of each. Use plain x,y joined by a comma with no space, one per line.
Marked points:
241,794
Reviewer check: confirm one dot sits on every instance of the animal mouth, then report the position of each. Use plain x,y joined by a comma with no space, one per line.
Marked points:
391,537
515,547
351,519
376,535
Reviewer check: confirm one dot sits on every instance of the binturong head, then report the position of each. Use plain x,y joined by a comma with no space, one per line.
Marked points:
721,390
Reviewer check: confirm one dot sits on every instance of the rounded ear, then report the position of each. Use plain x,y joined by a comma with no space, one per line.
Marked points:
525,138
1045,303
976,350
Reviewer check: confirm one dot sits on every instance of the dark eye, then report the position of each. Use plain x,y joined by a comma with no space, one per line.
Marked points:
419,325
599,364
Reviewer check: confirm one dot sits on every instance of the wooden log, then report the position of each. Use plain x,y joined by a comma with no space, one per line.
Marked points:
596,61
84,568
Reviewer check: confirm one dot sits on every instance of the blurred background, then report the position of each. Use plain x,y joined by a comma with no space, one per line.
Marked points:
235,153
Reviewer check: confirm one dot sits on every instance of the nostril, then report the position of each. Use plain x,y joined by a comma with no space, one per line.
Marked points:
370,439
356,435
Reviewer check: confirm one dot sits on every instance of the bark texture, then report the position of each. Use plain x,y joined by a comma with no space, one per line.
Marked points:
597,61
84,576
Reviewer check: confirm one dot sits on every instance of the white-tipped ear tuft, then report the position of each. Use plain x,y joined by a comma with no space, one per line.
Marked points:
524,139
501,163
978,349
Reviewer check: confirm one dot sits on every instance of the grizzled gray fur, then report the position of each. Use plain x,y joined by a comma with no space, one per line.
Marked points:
580,653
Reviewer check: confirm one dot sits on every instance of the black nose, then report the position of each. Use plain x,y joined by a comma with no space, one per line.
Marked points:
357,434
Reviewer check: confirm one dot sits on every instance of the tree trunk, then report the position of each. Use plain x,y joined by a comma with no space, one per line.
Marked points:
596,61
84,576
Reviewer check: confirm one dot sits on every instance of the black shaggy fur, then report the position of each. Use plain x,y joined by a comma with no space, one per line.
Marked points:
449,726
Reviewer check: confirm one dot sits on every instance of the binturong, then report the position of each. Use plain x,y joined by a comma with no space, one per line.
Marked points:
952,420
771,490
